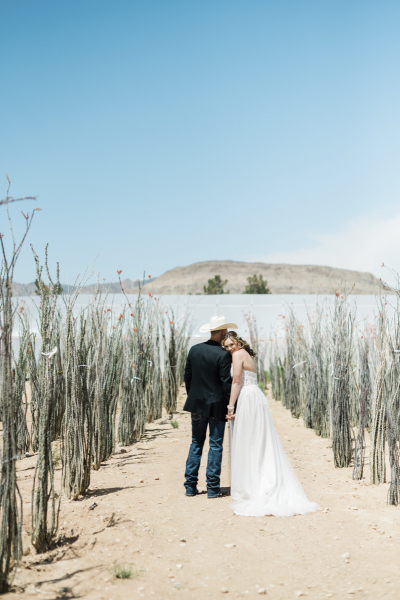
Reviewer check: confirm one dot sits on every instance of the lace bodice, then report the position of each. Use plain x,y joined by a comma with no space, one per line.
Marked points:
249,378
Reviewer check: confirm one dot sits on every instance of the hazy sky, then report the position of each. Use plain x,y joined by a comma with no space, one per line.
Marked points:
161,133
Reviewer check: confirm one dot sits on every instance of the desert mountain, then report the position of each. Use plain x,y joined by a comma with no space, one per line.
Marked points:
282,279
130,287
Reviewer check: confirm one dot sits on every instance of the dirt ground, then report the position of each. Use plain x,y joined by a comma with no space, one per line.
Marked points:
136,515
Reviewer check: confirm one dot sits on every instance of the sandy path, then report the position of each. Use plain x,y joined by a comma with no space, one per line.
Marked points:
182,546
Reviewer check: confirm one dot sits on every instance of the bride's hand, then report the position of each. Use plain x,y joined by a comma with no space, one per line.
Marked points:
230,416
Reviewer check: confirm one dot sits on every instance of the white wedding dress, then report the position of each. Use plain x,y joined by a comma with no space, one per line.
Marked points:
262,479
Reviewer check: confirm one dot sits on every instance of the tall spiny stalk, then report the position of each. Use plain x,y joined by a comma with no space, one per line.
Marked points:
295,358
316,411
77,422
176,338
259,344
10,497
359,450
133,415
378,423
170,365
20,398
342,330
44,525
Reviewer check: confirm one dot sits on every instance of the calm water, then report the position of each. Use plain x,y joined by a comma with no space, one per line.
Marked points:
267,309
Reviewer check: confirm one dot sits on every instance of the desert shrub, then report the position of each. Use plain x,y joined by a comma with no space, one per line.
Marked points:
215,285
257,285
123,571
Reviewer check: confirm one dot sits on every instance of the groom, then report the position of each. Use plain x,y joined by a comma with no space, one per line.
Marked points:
208,385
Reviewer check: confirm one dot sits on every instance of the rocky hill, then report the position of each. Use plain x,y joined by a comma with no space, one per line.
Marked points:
130,287
282,279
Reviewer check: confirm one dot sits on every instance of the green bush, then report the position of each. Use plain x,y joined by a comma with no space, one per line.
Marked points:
122,571
215,286
257,285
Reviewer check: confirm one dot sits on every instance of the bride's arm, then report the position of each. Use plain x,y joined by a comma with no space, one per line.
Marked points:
237,368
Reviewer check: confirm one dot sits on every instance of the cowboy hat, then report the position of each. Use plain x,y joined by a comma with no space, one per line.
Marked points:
217,323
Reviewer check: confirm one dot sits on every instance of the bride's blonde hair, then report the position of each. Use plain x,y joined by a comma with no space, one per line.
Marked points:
239,341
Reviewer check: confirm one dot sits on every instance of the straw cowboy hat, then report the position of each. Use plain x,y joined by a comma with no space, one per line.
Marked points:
217,323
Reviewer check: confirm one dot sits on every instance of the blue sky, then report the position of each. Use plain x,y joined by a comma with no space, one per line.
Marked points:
160,133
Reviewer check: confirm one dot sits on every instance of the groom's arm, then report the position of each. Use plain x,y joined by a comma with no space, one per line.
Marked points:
188,373
225,363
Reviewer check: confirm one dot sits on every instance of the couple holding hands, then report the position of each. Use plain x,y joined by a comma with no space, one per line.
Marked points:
221,382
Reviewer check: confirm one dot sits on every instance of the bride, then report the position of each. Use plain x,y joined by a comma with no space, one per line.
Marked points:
262,479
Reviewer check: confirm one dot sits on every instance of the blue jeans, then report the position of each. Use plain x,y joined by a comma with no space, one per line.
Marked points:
216,436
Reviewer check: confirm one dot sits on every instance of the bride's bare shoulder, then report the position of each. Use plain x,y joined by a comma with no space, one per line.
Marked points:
239,355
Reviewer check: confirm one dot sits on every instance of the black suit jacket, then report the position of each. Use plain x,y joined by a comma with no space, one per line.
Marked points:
208,380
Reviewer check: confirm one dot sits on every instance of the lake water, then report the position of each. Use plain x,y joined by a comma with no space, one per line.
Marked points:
267,309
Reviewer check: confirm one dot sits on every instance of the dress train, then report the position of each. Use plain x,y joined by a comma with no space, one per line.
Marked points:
262,479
